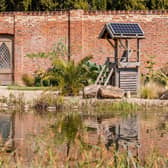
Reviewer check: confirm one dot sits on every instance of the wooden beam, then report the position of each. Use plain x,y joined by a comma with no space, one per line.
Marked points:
110,43
116,52
129,64
138,69
127,46
116,61
138,50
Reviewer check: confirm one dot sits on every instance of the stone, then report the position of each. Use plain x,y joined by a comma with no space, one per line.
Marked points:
91,91
110,92
164,95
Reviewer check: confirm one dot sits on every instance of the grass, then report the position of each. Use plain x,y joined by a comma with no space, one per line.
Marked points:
46,100
13,103
103,106
27,88
151,90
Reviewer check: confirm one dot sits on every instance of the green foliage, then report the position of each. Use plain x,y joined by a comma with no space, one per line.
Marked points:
48,100
150,73
27,5
38,55
123,108
58,50
151,90
48,5
66,128
81,4
28,80
162,78
128,4
71,77
40,79
15,103
2,5
26,88
98,4
157,4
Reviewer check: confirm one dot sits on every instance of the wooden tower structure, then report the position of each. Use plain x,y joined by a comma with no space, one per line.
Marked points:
123,68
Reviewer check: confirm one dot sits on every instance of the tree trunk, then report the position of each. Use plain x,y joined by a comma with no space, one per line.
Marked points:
110,92
91,91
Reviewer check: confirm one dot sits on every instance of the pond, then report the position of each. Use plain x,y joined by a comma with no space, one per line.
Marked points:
81,139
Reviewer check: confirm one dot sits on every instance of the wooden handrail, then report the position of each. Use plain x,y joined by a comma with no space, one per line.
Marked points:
108,78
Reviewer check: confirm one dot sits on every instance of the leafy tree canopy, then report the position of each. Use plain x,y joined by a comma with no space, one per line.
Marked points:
49,5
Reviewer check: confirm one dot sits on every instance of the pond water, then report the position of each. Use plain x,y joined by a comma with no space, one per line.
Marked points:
32,134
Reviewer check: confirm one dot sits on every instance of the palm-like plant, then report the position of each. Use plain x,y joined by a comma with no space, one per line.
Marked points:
71,77
162,78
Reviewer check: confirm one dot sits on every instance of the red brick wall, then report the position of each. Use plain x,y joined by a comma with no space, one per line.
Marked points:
39,31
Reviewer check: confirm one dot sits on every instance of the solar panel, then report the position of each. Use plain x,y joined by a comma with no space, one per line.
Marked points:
130,29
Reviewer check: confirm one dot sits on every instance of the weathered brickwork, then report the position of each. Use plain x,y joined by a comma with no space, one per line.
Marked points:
38,32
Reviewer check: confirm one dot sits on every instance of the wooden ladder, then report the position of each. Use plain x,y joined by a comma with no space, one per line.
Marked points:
105,74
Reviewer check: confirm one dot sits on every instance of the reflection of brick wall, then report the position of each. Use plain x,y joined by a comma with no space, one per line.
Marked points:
26,127
151,138
39,31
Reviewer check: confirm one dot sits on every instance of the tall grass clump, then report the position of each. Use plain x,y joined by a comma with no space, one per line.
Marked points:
48,100
13,102
122,107
151,90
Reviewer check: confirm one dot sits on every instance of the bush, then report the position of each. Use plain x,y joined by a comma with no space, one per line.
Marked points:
151,90
71,77
28,80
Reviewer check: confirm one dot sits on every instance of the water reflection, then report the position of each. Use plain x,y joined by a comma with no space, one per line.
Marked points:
123,133
133,133
66,129
6,131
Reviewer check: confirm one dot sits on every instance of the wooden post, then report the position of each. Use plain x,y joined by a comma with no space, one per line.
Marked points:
138,50
138,68
127,47
116,62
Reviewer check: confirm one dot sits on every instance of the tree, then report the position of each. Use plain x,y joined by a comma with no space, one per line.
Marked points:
2,5
157,4
49,4
27,4
128,4
81,4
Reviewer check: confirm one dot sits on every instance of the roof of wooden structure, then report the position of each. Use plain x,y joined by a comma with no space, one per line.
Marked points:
122,31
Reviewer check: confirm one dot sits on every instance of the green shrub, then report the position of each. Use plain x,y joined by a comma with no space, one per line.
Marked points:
68,76
28,80
151,90
162,78
71,77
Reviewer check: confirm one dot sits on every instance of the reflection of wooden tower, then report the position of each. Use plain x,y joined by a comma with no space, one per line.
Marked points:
122,70
124,133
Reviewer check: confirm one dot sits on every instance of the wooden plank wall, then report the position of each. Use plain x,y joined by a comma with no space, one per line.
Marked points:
128,79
